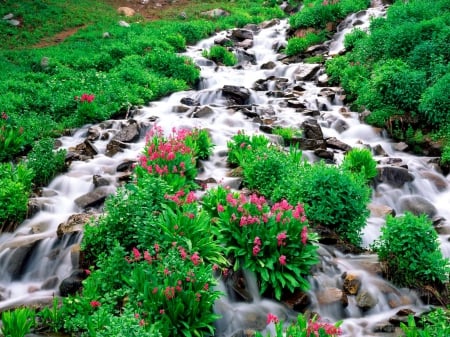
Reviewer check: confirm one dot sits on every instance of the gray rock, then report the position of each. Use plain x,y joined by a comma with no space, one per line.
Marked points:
270,23
114,146
215,13
94,198
268,65
129,133
306,71
203,112
241,34
417,205
8,16
189,101
312,129
366,300
124,24
74,223
394,176
239,95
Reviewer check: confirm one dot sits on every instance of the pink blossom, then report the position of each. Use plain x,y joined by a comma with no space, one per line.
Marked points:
137,254
161,311
147,257
171,156
256,250
195,258
95,304
220,208
280,239
304,235
183,253
4,115
282,260
156,246
191,197
271,318
257,241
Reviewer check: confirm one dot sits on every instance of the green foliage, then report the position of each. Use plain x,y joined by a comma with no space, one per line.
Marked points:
200,141
220,54
45,162
287,133
242,143
18,322
360,161
297,45
435,102
15,187
333,197
303,328
433,324
351,39
273,242
12,138
50,316
315,59
409,249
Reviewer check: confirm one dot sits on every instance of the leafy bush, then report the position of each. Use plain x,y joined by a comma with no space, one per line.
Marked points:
287,133
45,162
297,45
200,141
15,187
435,102
353,37
273,242
18,322
409,250
12,138
242,143
360,161
332,197
220,54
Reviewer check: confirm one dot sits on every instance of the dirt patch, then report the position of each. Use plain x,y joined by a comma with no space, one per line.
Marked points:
58,38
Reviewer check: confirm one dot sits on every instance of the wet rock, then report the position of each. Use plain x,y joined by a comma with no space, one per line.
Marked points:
306,71
249,113
322,80
310,113
4,294
246,56
293,103
246,44
332,295
86,149
352,284
50,283
239,95
253,27
129,133
312,129
72,284
394,176
126,166
437,180
18,259
124,24
100,181
270,23
203,112
298,301
261,85
324,154
365,300
385,327
278,45
400,146
340,125
180,108
268,65
189,101
266,129
34,206
94,198
115,146
379,151
127,11
241,34
380,211
417,205
93,133
223,41
74,223
309,144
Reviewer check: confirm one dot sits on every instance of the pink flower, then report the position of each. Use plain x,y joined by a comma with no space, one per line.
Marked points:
155,290
183,253
171,156
304,235
282,260
190,197
156,246
4,115
280,239
220,208
256,250
195,258
137,254
257,241
95,304
271,318
162,312
169,292
147,257
87,272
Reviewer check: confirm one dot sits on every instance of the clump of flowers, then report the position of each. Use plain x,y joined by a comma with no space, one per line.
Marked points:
169,157
272,241
12,137
303,327
87,109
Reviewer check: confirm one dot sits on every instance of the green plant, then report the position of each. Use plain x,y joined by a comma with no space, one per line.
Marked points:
332,197
287,133
360,161
51,316
409,250
45,162
352,38
242,143
297,45
273,242
435,102
315,59
432,324
303,327
18,322
15,187
200,141
220,54
12,138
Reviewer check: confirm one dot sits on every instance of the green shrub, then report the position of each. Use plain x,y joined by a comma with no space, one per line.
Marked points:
287,133
200,141
409,250
18,322
15,187
297,45
435,102
45,162
332,197
360,161
12,138
273,242
352,38
220,54
242,143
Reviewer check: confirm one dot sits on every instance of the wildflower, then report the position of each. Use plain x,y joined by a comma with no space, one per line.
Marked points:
161,311
271,318
136,315
257,241
171,156
95,304
215,267
137,254
195,258
183,253
220,208
282,260
206,286
147,257
197,297
256,250
304,235
166,271
190,197
142,322
87,272
155,290
280,239
4,115
169,292
156,246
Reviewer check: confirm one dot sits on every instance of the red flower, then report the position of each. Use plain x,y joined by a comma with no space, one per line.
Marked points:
280,239
137,254
95,304
195,258
282,260
256,250
271,318
4,115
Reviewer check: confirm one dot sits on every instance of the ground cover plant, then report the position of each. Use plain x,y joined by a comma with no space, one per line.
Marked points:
221,55
399,69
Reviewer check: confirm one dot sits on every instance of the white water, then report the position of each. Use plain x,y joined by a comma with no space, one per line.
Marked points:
51,257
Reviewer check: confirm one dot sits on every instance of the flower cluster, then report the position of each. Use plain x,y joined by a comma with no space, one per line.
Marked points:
88,98
315,326
267,239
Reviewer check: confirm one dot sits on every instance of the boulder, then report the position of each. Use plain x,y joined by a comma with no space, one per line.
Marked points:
332,295
312,129
352,283
306,71
417,205
86,149
203,112
365,300
238,95
129,133
268,65
393,175
74,223
94,198
189,101
115,146
241,34
100,181
72,284
380,211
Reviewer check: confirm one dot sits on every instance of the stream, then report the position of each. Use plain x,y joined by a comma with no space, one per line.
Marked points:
266,91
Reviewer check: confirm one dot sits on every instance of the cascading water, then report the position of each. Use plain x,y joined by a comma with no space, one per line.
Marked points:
34,260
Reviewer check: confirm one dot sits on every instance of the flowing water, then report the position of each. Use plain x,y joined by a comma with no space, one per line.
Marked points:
33,260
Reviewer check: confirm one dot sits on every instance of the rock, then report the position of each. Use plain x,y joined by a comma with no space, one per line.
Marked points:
324,154
246,56
124,24
331,295
394,176
4,294
322,80
86,149
380,211
352,284
114,146
75,223
50,283
437,180
189,101
268,65
72,284
203,112
365,300
253,27
379,151
417,205
239,95
93,133
298,301
241,34
94,198
180,108
246,44
385,327
312,129
400,146
8,16
129,133
126,165
215,13
106,35
18,258
127,11
249,113
34,206
270,23
309,144
340,125
14,22
223,41
306,71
